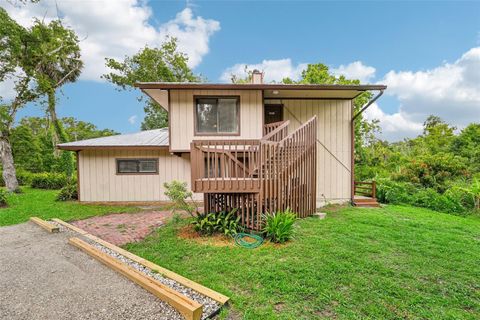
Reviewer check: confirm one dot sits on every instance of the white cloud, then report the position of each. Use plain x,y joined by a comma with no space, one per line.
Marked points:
275,70
118,28
394,126
7,86
193,34
451,90
133,119
355,70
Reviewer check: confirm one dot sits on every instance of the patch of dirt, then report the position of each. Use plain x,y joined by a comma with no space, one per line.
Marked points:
188,233
279,306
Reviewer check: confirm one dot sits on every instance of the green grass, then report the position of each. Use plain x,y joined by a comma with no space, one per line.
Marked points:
392,263
41,203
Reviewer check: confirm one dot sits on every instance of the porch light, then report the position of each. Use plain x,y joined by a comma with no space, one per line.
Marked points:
275,92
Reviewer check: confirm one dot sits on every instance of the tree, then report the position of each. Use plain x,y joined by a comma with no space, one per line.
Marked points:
467,144
164,64
26,147
56,61
81,130
15,42
32,142
438,135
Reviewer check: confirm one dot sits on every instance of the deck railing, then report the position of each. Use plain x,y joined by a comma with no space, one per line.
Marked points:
258,176
225,165
365,189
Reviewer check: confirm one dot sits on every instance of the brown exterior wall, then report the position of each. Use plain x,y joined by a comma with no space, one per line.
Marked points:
182,116
100,182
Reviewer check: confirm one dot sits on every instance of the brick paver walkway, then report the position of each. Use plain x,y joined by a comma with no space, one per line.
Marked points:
122,228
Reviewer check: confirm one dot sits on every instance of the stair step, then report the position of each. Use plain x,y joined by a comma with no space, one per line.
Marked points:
373,204
366,200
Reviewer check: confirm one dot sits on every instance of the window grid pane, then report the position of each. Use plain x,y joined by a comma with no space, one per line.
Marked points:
127,166
147,166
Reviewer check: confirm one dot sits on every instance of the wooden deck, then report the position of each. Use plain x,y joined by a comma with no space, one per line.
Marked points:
258,176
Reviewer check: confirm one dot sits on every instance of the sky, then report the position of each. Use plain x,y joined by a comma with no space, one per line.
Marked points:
427,53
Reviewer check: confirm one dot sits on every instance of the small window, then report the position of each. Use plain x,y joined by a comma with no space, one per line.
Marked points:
217,116
137,166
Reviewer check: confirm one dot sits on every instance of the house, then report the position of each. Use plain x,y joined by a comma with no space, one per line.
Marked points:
256,146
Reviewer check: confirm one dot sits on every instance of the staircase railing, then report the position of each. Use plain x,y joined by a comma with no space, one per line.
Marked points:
365,189
275,131
288,171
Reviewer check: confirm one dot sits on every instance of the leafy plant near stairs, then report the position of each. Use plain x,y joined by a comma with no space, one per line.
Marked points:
279,225
181,198
223,222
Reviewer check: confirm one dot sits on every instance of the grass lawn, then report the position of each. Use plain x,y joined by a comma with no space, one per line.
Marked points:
391,263
41,203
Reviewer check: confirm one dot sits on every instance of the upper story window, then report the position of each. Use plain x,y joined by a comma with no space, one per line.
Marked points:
217,116
137,166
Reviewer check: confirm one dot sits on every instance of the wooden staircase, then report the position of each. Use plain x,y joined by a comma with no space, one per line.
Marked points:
365,202
365,194
256,176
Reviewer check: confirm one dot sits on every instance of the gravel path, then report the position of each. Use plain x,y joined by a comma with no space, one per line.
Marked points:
210,306
43,277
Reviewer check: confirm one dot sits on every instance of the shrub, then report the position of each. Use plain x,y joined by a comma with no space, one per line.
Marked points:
48,180
461,196
178,194
3,198
279,226
429,198
389,191
223,222
69,192
24,177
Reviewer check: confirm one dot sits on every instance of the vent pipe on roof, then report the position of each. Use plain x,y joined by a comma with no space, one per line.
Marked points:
257,77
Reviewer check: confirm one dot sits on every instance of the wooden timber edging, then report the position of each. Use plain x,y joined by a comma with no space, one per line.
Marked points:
189,308
152,266
45,225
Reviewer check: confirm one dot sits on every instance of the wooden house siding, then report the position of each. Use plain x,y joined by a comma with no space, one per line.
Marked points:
99,180
181,106
333,131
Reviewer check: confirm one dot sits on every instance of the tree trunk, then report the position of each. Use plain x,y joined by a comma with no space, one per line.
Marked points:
54,121
59,136
9,174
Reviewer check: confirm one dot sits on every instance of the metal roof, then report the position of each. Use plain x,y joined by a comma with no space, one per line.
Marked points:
157,138
258,86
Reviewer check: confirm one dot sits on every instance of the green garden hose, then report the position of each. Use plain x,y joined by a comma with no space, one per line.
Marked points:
254,240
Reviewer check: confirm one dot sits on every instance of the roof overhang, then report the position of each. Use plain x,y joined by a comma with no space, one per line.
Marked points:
271,90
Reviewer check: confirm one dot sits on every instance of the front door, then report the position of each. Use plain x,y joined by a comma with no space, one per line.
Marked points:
273,113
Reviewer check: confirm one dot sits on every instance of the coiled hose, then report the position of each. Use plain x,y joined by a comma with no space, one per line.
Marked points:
248,240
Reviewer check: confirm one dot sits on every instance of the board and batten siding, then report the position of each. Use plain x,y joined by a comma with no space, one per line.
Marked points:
99,180
334,132
181,105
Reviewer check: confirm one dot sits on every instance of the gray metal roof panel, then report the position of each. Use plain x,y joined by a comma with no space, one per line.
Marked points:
147,138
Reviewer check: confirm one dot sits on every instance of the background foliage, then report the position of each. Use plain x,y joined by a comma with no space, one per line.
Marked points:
437,170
